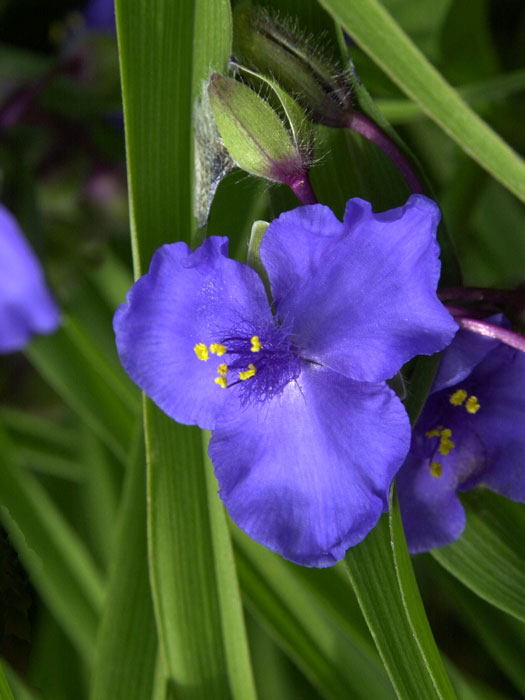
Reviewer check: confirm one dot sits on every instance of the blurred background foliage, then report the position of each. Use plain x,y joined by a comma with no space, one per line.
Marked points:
69,414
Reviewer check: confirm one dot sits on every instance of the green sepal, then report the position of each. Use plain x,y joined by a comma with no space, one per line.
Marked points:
301,129
252,131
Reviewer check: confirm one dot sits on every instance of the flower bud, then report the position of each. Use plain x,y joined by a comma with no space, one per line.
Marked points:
300,128
274,50
254,134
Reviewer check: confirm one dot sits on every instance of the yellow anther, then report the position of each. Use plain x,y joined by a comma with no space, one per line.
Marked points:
445,443
218,349
221,381
201,351
247,373
436,469
472,405
433,433
458,397
222,369
445,446
256,343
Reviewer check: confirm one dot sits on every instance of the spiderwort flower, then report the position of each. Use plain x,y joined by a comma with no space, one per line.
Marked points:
471,433
26,305
307,436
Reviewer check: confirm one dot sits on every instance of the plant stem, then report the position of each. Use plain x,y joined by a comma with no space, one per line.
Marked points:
490,330
371,131
302,189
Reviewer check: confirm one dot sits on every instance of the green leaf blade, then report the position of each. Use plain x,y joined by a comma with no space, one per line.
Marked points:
60,566
233,628
155,53
167,50
126,648
5,690
80,372
413,605
489,557
274,591
391,611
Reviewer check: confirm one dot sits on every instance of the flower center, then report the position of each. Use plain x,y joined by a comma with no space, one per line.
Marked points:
445,445
262,361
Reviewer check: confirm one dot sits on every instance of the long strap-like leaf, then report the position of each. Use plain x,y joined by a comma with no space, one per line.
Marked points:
166,49
60,566
383,579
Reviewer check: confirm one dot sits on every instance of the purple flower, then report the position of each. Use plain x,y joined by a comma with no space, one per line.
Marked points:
471,433
307,436
100,15
26,305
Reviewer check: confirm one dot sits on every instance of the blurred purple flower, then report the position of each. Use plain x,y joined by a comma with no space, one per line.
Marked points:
307,436
100,15
26,305
471,433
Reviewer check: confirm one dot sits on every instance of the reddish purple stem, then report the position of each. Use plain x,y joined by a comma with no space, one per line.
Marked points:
490,330
367,128
302,189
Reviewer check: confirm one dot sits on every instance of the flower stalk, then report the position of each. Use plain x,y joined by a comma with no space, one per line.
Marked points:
302,189
490,330
364,126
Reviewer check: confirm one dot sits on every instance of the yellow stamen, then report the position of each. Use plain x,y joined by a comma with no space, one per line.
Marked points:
472,405
445,446
201,351
218,349
445,443
458,397
256,343
222,369
247,373
221,381
436,469
433,433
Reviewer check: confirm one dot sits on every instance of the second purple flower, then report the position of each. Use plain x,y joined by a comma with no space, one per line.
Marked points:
307,435
471,433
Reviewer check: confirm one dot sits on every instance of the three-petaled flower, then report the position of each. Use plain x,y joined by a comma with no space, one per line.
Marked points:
307,435
471,433
26,305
